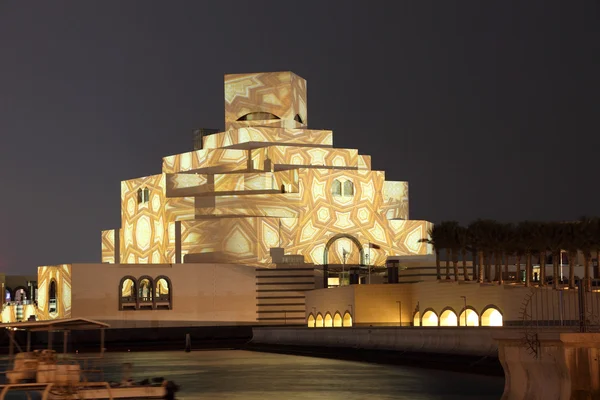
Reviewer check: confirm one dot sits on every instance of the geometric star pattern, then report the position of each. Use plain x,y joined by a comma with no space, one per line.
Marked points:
264,183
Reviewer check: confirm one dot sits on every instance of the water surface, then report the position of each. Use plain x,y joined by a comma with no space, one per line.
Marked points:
237,374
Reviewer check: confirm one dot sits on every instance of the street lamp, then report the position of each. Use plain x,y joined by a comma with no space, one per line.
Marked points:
465,309
399,312
344,255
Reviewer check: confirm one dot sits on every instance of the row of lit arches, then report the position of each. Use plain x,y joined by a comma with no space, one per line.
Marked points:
145,293
329,321
490,316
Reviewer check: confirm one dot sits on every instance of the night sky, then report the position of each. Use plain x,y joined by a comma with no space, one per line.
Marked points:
488,109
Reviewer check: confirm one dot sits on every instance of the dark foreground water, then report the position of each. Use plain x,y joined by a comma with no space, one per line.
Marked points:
237,374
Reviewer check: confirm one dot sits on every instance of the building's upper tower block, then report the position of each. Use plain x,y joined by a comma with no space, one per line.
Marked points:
265,99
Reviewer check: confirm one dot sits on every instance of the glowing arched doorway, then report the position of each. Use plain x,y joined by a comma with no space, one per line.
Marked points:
472,318
328,321
417,319
448,318
337,320
311,321
430,318
491,316
326,254
319,323
347,319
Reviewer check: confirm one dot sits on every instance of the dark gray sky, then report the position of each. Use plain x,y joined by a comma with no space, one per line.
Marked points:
489,109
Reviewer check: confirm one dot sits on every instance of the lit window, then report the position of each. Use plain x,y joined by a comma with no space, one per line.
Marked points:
448,318
491,317
347,319
430,319
472,319
348,188
336,188
143,195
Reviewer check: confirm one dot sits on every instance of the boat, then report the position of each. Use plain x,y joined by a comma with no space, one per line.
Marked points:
64,377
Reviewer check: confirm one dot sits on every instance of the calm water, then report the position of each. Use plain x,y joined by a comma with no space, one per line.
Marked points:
236,374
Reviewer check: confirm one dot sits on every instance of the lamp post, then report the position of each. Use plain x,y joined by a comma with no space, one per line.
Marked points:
465,309
344,255
399,312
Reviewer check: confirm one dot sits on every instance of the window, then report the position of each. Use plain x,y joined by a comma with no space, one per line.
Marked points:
348,188
347,319
258,116
127,294
143,195
145,295
336,188
337,320
162,295
311,321
52,303
345,189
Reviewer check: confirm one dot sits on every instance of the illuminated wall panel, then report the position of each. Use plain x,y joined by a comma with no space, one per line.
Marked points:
108,246
266,182
395,200
280,94
217,160
258,135
59,306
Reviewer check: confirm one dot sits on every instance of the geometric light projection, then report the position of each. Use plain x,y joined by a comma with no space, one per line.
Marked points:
266,181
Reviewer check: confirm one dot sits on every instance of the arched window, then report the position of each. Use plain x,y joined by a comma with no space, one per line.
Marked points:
311,321
337,320
491,316
348,188
328,321
258,116
347,319
21,295
336,188
145,295
448,318
430,318
472,319
417,319
143,195
8,295
52,300
319,323
163,294
127,293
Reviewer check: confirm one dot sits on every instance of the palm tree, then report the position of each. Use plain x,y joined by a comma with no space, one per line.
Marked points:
542,245
479,232
508,246
436,238
462,237
452,228
555,233
587,234
527,232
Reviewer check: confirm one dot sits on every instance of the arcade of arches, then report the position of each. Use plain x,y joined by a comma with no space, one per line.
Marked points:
145,293
329,321
491,316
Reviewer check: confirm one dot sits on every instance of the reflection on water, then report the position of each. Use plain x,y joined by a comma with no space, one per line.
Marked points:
236,374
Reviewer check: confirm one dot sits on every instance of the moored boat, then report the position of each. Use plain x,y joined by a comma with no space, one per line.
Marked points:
67,377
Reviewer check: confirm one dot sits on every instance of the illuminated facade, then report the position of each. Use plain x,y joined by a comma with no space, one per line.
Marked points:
266,182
